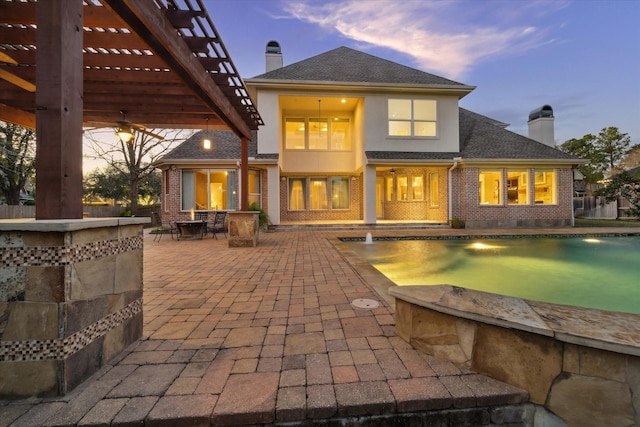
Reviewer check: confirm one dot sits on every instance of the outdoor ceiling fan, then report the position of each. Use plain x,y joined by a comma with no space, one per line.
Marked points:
12,78
125,129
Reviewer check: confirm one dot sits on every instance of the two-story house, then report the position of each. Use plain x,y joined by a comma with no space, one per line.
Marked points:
352,137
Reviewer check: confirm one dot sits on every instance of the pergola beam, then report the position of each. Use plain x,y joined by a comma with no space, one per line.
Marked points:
145,18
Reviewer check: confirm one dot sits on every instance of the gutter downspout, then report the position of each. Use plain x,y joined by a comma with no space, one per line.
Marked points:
455,165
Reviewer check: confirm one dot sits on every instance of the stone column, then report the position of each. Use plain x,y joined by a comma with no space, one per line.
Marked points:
70,300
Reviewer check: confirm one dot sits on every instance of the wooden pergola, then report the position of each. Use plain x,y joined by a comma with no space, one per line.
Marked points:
65,63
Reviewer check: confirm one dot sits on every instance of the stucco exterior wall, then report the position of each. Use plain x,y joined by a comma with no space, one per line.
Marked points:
376,126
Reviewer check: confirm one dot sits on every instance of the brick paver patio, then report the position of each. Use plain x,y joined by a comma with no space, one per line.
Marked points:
245,336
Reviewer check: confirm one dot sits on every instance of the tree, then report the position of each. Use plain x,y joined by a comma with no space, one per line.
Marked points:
130,162
632,160
585,148
604,152
110,183
624,185
17,160
613,145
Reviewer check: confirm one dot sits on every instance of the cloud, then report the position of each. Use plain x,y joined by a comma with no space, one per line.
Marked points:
446,37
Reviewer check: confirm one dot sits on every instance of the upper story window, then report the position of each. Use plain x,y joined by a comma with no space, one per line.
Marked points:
412,117
317,133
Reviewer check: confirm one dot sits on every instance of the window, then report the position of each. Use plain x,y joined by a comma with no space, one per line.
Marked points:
545,186
318,193
417,188
402,188
490,187
297,194
389,186
317,133
340,194
255,195
517,188
208,189
321,197
295,134
412,117
434,189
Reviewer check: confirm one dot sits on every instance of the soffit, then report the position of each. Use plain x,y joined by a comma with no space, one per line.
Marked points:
163,61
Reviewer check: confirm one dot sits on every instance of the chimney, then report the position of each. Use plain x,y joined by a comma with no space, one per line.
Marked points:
273,56
541,125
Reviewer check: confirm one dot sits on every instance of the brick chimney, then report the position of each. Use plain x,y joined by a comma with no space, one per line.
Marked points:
541,125
273,56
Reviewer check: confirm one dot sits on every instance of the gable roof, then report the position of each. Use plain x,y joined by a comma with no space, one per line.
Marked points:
482,138
226,147
347,65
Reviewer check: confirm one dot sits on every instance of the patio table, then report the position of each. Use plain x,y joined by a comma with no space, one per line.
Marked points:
193,229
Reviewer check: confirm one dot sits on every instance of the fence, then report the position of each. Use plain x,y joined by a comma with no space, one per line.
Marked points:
594,207
13,212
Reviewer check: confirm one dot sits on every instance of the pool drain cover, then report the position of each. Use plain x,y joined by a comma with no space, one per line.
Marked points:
365,303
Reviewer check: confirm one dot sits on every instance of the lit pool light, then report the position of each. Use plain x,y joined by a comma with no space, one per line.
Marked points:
483,246
592,240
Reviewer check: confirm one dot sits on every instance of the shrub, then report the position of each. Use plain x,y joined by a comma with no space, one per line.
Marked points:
263,218
456,222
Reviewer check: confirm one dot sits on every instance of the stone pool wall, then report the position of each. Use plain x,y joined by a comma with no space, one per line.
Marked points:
70,300
581,365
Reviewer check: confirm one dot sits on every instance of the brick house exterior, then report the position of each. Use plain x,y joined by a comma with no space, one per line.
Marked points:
352,137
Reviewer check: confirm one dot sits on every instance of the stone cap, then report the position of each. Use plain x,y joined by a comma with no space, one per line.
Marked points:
63,225
605,330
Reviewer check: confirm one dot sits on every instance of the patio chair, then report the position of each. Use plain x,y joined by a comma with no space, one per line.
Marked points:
161,228
204,217
219,224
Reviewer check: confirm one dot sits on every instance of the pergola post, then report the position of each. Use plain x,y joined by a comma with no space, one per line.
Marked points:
59,76
244,173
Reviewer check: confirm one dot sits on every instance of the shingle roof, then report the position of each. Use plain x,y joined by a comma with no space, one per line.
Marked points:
226,146
482,138
351,66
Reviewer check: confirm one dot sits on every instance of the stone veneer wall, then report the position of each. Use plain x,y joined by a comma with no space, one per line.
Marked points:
70,300
580,364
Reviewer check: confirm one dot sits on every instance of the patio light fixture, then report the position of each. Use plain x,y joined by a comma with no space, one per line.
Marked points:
125,133
206,142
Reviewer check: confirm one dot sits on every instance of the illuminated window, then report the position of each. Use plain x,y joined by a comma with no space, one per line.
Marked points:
295,134
517,188
417,187
208,189
490,187
318,193
340,194
389,188
545,186
412,117
255,195
434,189
317,133
402,188
297,194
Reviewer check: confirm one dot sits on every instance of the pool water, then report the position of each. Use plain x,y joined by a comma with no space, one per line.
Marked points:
595,272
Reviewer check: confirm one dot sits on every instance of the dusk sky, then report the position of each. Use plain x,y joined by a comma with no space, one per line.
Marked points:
582,57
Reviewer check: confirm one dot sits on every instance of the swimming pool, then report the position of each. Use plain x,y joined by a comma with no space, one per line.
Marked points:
593,272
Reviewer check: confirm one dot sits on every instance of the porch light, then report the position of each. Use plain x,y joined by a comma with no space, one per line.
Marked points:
125,133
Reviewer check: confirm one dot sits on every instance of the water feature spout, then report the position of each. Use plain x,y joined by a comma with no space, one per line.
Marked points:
368,240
